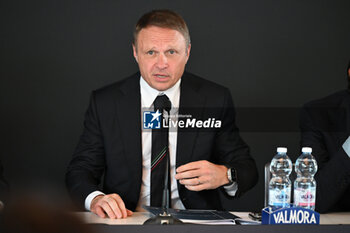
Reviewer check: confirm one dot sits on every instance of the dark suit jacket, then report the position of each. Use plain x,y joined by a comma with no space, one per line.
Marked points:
111,142
3,185
325,126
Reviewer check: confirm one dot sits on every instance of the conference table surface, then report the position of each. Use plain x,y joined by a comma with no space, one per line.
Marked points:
332,222
139,217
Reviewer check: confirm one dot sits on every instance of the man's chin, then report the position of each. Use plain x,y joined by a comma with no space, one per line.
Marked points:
162,86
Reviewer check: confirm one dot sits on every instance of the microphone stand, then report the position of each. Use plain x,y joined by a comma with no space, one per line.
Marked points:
164,218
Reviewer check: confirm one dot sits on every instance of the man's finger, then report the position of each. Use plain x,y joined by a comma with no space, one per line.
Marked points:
107,208
121,205
189,166
193,181
114,207
99,211
129,212
188,174
196,187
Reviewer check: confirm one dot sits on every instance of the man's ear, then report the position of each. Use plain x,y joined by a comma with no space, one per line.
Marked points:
134,52
188,52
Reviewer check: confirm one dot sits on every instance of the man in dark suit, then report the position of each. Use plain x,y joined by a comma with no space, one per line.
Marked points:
325,126
205,151
3,187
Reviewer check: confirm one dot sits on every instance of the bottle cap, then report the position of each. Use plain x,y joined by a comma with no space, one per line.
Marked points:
306,150
282,149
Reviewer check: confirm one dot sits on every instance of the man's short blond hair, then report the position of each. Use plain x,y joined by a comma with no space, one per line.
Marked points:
163,19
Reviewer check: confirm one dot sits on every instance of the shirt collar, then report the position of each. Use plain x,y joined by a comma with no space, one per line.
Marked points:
149,94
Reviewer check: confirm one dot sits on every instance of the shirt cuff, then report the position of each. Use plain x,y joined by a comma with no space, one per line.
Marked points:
231,189
90,197
346,146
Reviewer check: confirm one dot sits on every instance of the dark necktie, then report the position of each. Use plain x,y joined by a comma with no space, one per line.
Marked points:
160,154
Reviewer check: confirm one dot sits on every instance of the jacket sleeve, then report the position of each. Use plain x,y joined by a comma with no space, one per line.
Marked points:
4,187
233,151
333,175
86,168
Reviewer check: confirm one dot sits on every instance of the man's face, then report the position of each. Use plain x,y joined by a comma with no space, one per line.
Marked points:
161,54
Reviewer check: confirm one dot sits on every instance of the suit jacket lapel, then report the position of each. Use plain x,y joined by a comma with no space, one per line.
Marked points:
129,117
191,103
341,120
338,121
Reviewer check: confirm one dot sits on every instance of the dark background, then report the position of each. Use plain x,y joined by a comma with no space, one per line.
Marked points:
273,55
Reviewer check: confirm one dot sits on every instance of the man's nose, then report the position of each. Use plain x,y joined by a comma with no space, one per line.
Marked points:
162,61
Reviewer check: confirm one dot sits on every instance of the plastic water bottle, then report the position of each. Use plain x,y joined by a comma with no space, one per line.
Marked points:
305,184
280,184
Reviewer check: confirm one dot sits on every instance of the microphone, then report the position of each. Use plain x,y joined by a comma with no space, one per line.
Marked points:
164,218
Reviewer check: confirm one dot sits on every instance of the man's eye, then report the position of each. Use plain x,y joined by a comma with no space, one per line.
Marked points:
171,51
150,52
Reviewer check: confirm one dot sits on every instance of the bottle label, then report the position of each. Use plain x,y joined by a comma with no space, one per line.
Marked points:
305,197
279,198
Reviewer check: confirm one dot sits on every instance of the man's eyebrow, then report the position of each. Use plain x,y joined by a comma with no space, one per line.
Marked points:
152,48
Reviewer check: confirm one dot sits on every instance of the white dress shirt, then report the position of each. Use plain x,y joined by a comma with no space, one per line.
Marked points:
148,95
346,146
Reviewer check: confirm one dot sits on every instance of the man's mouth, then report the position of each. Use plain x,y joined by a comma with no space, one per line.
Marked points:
161,76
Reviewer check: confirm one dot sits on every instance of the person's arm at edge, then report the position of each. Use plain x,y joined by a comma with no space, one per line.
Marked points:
331,169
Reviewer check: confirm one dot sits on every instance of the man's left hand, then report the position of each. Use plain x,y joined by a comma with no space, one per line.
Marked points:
202,175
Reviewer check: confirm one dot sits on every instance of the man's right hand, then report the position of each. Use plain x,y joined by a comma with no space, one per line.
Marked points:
111,205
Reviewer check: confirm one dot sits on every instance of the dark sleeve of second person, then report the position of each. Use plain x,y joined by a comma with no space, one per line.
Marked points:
4,187
333,175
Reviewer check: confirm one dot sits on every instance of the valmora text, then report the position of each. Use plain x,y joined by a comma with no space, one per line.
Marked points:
294,217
